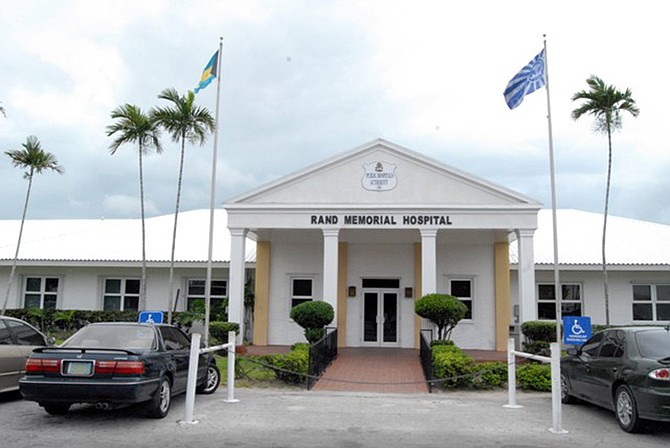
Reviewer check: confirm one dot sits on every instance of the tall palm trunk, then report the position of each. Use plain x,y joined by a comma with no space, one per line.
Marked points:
607,200
18,242
174,229
143,283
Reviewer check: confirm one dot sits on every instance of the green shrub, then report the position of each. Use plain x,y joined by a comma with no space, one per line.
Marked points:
313,315
437,342
537,330
292,367
452,365
218,332
537,348
443,310
490,375
534,377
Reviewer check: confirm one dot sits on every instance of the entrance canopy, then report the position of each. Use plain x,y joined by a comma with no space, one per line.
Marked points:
377,198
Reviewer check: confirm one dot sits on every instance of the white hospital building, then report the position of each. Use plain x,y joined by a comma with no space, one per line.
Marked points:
369,231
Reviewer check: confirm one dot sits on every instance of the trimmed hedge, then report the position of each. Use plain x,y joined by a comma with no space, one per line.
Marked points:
453,365
294,365
534,377
219,331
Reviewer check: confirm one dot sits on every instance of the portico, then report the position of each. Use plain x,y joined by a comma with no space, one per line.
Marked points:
370,232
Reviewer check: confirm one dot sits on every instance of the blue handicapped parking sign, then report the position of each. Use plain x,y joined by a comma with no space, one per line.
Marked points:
576,329
151,317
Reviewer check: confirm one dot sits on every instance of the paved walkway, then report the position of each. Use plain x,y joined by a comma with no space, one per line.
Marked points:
386,370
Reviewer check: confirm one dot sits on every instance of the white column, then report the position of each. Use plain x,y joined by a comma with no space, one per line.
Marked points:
236,279
428,261
330,268
527,303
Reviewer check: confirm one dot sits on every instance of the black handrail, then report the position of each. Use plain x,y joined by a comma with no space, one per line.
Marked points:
321,354
426,353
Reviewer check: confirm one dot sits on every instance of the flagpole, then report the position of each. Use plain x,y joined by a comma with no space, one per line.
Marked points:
557,284
212,197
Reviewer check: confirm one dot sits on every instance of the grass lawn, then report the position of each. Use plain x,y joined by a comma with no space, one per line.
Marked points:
251,374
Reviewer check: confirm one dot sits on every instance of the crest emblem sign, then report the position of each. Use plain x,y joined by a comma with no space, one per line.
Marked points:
379,176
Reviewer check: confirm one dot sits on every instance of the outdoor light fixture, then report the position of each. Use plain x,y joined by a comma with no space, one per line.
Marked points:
409,293
352,291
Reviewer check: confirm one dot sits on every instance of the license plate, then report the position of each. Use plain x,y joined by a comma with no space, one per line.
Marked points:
79,368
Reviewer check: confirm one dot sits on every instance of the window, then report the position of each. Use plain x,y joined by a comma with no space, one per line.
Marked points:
651,302
463,290
24,334
174,339
195,293
613,346
121,294
571,301
591,346
41,292
5,335
301,290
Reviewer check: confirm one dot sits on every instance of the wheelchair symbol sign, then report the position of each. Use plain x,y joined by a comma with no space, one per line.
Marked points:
576,329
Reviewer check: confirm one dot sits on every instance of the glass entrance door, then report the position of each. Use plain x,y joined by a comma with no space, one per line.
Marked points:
380,317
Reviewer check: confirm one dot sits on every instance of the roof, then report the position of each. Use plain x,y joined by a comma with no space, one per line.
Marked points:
120,239
630,242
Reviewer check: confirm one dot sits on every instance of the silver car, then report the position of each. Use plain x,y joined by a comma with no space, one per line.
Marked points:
17,341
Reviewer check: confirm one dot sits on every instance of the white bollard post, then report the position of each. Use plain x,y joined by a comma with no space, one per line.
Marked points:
192,378
511,376
557,417
230,385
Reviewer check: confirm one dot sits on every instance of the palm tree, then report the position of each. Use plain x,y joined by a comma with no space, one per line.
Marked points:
184,121
35,160
133,126
605,103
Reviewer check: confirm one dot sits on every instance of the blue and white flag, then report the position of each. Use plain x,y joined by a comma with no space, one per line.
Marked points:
528,80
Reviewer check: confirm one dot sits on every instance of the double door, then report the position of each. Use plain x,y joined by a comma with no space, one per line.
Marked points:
380,317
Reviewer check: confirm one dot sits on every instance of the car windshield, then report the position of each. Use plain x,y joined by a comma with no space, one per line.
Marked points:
653,344
130,337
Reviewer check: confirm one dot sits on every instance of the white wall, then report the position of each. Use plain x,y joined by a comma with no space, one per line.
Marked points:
288,260
593,296
82,287
475,262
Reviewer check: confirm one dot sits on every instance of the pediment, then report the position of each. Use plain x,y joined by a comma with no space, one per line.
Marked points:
380,173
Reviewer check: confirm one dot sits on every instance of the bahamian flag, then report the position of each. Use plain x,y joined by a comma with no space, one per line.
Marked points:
209,73
527,81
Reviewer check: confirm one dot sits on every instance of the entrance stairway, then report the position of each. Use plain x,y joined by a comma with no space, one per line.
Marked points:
385,370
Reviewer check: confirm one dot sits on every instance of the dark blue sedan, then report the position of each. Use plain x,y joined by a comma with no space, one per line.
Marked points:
626,370
112,364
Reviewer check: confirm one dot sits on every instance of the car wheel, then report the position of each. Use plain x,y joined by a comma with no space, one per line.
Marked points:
566,398
211,382
159,405
625,409
56,408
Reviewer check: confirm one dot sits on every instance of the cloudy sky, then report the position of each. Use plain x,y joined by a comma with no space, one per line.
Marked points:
306,80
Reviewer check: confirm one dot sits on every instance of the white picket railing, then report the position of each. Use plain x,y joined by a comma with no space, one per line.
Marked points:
193,372
555,361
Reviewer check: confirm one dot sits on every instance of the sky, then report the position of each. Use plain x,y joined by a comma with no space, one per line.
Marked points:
303,81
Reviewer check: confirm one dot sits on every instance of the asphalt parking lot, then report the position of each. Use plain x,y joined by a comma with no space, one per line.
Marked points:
290,418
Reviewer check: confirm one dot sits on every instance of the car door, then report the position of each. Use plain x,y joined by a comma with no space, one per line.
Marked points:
605,367
11,360
17,341
178,348
580,369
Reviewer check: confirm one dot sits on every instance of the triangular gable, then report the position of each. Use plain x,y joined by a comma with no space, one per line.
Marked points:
381,172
